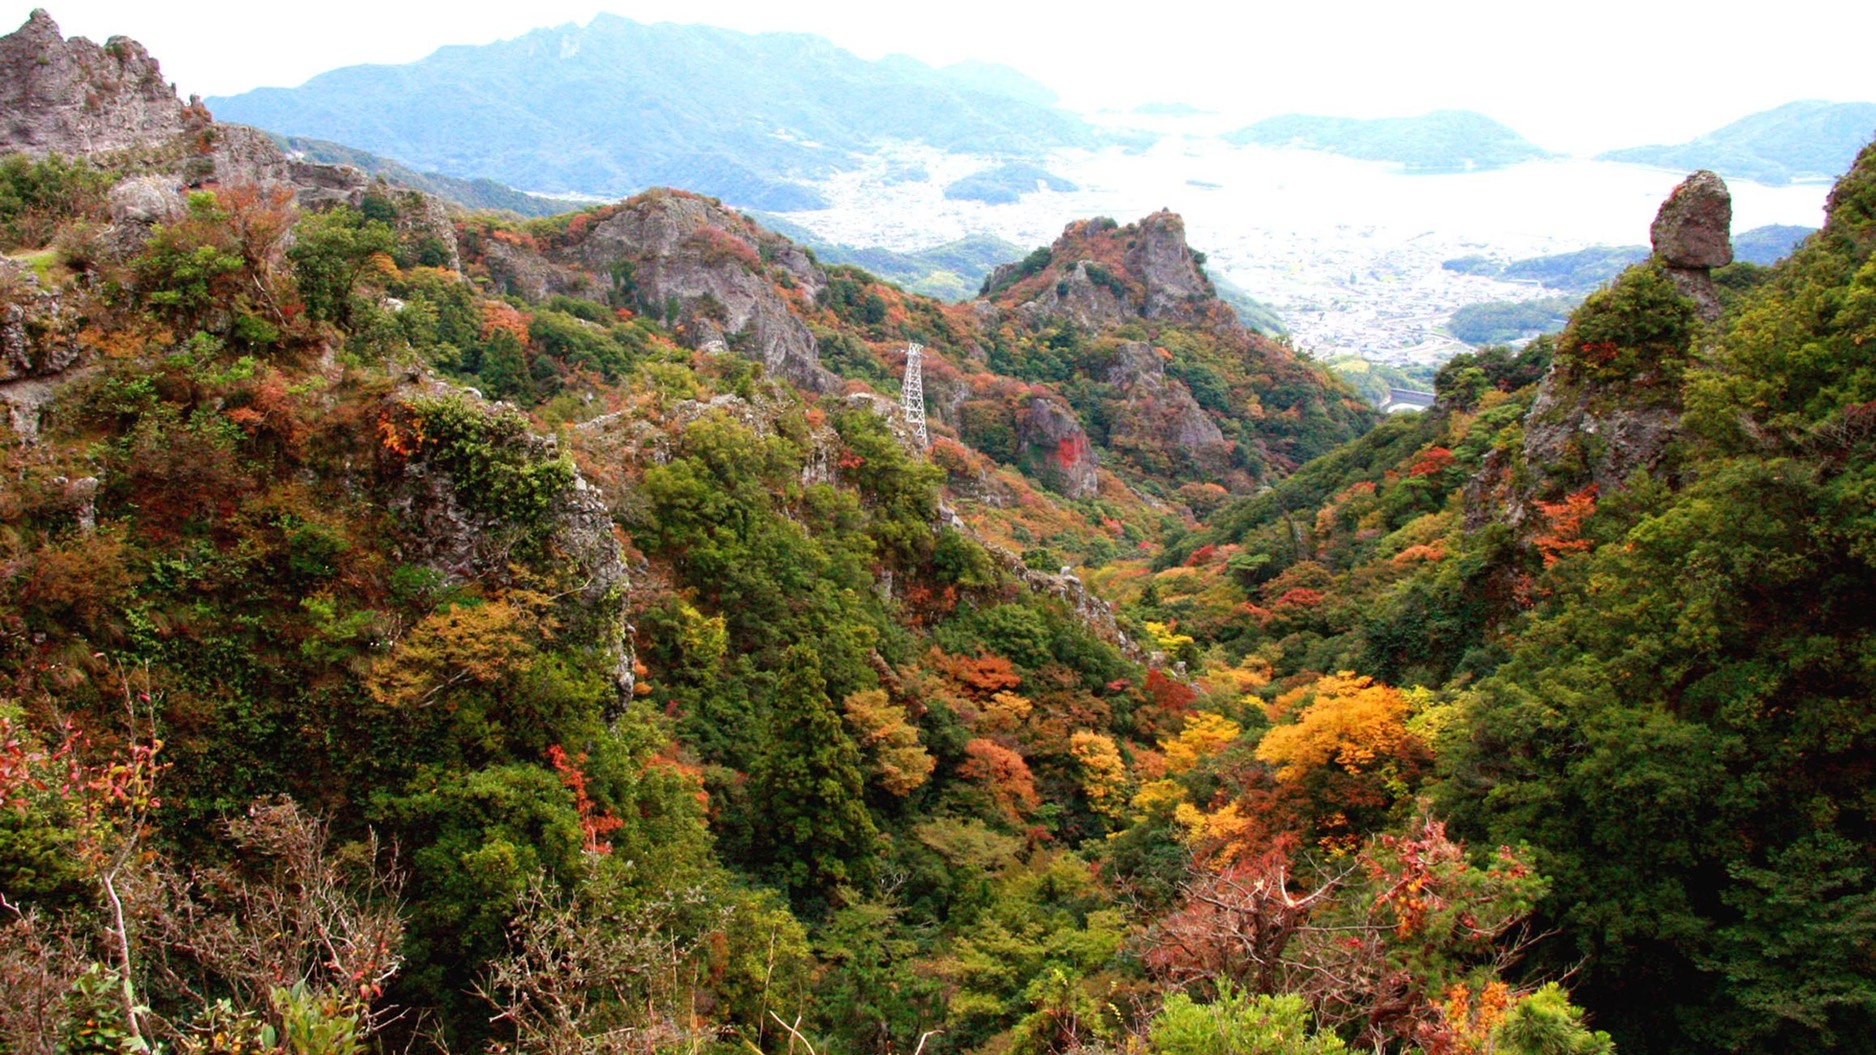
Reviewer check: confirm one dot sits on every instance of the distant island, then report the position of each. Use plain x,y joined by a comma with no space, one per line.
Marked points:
616,106
1808,140
1006,183
1442,141
1574,272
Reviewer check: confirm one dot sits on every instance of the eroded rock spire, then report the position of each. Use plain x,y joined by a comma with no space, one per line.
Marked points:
1692,234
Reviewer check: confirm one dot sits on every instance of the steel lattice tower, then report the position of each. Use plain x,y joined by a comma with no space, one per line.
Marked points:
912,397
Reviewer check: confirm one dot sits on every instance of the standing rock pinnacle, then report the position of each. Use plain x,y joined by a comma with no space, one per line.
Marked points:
1693,234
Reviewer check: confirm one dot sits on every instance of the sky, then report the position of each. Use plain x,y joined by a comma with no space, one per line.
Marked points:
1575,77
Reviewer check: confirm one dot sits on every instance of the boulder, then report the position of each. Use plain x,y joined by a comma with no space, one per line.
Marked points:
1692,234
146,200
1693,229
1051,440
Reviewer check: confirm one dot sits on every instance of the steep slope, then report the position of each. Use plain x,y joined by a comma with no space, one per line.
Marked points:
1624,578
615,107
1811,139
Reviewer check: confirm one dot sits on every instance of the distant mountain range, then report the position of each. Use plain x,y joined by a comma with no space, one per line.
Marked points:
1442,141
1577,274
616,106
1584,269
1802,140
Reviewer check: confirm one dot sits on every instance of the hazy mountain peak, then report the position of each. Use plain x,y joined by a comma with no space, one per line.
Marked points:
994,78
1806,139
617,105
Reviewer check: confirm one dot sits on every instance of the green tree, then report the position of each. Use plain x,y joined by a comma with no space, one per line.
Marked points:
810,790
1237,1023
332,251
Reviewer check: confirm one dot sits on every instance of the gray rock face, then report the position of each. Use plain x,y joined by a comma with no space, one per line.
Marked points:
1049,436
37,347
1694,226
1573,436
246,155
61,96
1163,406
1079,297
426,217
688,254
1692,233
1136,364
146,200
524,273
460,546
33,341
1164,262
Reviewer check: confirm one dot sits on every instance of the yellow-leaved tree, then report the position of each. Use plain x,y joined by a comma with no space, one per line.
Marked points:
1348,753
890,742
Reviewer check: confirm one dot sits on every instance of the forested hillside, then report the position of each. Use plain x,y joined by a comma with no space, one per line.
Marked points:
424,630
1613,593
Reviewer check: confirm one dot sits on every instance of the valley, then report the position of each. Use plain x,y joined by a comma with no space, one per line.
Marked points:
940,613
1347,252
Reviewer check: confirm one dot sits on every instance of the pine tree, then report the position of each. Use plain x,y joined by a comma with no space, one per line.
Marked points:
817,834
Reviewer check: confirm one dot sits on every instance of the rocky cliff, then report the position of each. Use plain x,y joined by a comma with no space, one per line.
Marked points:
1609,407
62,96
1100,273
712,272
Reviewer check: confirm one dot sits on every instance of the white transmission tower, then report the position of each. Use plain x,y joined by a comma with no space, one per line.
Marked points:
912,397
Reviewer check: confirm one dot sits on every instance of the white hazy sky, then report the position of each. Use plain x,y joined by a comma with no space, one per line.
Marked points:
1573,75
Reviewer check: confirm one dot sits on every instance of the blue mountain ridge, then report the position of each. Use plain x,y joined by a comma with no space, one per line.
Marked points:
616,106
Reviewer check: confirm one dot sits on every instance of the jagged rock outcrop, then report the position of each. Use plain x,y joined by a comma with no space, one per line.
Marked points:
1166,267
1163,407
240,154
61,96
442,532
1085,293
712,272
1609,407
1050,440
1692,234
73,97
1100,273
